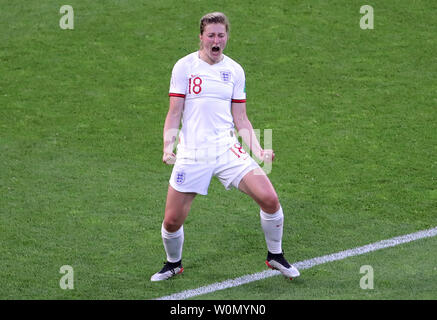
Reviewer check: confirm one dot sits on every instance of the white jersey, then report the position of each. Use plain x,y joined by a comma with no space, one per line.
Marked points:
207,123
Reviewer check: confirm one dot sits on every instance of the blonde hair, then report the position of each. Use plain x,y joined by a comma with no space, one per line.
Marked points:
214,17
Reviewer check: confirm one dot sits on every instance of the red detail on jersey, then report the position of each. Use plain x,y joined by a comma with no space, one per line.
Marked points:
239,147
176,95
235,153
239,100
197,82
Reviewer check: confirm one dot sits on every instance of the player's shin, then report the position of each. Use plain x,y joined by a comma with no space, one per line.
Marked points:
173,243
272,225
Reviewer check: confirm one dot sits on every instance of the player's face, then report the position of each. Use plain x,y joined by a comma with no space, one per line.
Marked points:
213,39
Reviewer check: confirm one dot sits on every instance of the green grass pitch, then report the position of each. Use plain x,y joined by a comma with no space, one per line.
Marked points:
354,119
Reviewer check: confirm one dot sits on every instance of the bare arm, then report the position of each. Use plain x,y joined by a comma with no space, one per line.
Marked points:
171,127
245,130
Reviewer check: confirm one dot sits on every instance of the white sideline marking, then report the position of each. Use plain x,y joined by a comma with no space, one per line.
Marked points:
306,264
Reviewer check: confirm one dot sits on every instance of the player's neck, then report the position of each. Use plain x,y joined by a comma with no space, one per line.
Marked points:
203,56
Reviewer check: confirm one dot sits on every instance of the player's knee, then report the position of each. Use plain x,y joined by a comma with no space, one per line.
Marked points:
270,203
172,224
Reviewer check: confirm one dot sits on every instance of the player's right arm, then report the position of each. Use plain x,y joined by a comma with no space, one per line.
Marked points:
178,87
171,127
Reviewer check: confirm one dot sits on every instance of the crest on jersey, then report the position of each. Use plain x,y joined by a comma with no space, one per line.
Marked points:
180,177
225,75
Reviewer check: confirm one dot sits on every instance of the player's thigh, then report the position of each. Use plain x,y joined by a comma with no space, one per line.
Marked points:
177,207
259,187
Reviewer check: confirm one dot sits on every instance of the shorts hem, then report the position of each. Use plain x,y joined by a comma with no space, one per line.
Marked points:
235,182
179,189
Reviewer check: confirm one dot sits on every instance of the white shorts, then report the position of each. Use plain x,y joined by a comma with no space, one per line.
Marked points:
229,168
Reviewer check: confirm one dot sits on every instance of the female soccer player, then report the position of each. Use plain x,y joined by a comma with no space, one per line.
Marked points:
207,91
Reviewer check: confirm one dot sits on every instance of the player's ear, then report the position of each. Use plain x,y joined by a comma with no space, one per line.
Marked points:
200,41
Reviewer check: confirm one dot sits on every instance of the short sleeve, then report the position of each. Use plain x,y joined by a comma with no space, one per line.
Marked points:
239,94
179,80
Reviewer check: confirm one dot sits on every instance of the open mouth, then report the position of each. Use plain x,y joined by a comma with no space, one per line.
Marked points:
215,49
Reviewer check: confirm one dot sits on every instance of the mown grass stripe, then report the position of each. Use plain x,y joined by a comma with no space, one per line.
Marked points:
302,265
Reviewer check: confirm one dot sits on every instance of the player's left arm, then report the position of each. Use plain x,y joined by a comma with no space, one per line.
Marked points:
246,132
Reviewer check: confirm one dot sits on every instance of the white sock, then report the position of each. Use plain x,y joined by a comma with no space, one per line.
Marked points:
272,225
173,243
